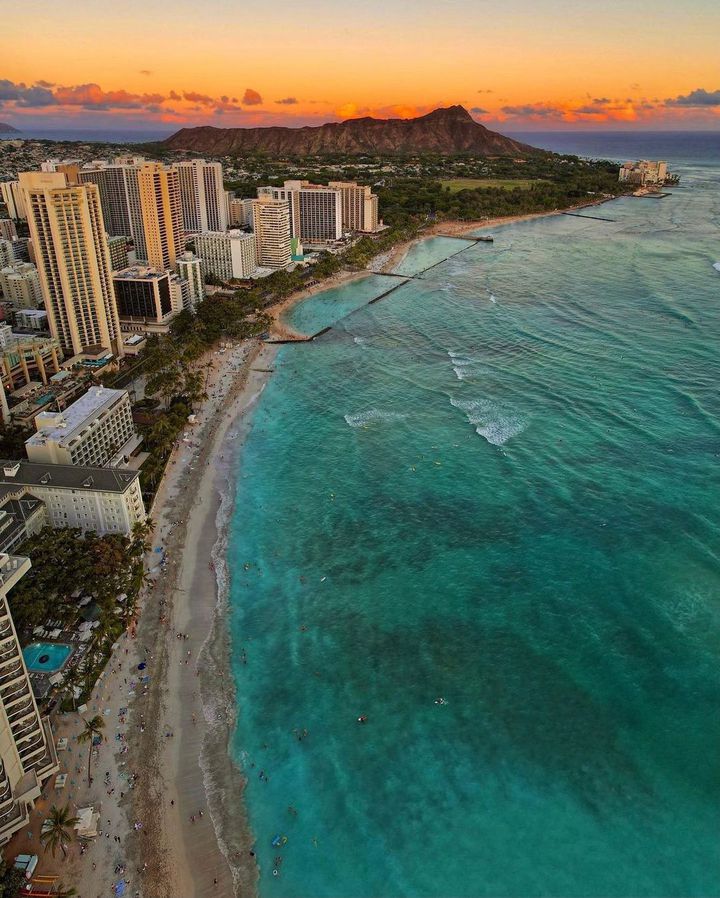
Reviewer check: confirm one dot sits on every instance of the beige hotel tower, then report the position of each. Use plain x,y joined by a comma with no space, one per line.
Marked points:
161,205
73,261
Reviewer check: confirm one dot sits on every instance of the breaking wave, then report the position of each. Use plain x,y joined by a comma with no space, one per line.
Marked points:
361,419
493,423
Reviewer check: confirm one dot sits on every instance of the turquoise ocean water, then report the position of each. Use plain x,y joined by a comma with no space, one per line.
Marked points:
499,487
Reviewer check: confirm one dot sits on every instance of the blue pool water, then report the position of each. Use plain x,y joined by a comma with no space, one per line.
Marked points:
499,487
46,657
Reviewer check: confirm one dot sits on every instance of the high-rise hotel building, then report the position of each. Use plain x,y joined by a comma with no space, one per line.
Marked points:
73,261
204,206
232,254
271,224
162,215
120,199
359,206
27,752
315,211
12,197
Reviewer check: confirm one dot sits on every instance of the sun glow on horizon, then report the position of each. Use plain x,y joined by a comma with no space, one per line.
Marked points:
533,65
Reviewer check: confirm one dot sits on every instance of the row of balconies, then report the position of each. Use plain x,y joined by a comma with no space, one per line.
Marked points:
10,673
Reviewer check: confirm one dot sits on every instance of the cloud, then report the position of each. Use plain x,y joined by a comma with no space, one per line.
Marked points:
146,71
477,110
696,98
92,96
287,101
589,110
193,97
532,110
25,96
251,97
47,84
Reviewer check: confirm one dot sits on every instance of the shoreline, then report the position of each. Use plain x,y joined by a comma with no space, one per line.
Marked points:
180,723
281,328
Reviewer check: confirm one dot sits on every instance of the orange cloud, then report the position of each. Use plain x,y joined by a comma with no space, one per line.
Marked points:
252,97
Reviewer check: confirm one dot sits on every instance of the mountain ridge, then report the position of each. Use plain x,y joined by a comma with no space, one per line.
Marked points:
5,128
444,131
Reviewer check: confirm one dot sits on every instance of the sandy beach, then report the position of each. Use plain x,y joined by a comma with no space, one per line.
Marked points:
166,737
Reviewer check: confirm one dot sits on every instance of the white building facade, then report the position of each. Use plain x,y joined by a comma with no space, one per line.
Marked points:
227,255
101,500
204,207
95,430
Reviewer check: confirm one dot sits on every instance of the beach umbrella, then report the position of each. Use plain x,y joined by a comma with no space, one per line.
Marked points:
142,665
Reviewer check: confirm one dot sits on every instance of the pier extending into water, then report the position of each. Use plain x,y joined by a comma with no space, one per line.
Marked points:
591,217
488,238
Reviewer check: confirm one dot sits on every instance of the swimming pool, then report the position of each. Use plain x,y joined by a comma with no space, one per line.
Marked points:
46,657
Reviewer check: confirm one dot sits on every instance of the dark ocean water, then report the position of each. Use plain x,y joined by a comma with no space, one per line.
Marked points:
90,136
693,147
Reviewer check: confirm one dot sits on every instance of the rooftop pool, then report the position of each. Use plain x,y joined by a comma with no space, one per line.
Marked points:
46,657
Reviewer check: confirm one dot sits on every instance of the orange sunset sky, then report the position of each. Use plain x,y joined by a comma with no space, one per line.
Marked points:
517,65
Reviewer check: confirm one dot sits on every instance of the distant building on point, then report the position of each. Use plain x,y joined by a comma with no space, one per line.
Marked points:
646,173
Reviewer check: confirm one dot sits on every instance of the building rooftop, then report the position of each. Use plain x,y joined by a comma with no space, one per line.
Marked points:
72,477
139,273
63,426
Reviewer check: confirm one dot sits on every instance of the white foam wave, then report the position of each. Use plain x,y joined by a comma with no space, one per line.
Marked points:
492,298
491,422
362,419
462,372
716,266
359,340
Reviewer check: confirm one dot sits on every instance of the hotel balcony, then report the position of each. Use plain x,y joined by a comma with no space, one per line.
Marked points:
13,820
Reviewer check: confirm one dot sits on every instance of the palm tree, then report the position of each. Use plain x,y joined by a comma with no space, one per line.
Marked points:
58,829
93,727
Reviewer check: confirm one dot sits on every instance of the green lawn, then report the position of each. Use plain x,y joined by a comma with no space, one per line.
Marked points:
503,183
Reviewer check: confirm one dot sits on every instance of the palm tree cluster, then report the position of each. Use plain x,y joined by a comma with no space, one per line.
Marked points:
100,566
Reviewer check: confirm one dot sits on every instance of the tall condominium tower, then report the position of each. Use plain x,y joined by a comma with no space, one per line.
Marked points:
359,206
27,752
12,197
271,223
204,205
315,211
73,261
120,198
162,214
